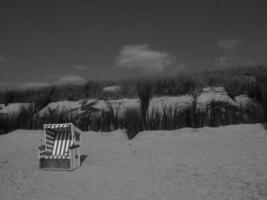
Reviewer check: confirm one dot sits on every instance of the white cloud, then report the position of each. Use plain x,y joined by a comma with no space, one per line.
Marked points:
142,58
70,79
34,85
80,67
229,44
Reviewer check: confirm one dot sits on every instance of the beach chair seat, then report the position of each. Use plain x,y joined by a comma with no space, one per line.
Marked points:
61,150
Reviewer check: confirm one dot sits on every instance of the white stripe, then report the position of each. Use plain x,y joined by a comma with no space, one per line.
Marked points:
63,143
55,145
50,138
50,132
59,143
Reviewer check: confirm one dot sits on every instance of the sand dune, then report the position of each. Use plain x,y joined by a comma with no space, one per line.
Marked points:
208,163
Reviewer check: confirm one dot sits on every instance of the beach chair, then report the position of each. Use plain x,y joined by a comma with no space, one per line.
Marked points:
61,148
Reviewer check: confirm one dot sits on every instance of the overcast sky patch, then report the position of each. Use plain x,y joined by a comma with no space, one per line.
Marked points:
80,67
229,44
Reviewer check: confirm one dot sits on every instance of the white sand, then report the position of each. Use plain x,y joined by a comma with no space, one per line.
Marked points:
12,108
243,100
111,89
119,105
209,163
210,94
179,102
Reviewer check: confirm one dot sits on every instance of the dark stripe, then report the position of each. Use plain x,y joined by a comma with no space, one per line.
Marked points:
66,148
61,152
49,142
68,142
50,132
51,135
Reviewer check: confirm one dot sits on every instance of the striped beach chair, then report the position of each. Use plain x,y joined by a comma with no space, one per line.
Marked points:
61,148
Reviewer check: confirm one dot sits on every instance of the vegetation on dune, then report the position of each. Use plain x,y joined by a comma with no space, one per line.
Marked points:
243,79
251,81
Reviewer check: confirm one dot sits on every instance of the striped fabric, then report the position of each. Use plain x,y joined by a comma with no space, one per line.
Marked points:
58,141
57,126
57,157
50,140
62,144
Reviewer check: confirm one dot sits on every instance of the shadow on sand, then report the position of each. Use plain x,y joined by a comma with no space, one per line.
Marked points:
83,157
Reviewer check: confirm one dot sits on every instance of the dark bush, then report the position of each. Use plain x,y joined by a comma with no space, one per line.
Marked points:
260,92
144,92
132,122
22,120
238,85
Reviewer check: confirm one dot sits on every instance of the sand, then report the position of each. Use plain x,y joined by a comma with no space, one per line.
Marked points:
13,108
209,163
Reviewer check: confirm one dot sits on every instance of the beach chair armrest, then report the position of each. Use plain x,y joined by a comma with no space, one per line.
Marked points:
41,148
42,151
74,151
74,147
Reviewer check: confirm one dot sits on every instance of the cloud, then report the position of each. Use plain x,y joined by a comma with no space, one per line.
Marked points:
142,58
229,44
80,67
34,85
70,79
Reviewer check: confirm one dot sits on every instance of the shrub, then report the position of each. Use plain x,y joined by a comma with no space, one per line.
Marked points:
144,91
260,93
132,122
44,99
238,85
169,118
21,120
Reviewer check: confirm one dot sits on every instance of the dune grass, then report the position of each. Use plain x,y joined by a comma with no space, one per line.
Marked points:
250,81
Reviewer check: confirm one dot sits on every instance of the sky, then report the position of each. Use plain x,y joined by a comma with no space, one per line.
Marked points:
59,42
